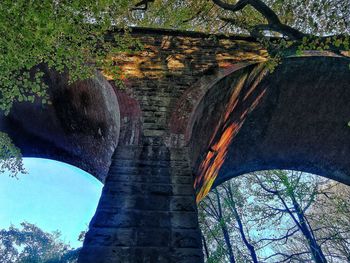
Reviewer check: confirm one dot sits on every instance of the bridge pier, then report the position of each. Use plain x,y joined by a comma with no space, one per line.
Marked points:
194,89
147,210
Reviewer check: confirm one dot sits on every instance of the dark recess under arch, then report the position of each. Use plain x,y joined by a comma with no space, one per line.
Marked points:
300,122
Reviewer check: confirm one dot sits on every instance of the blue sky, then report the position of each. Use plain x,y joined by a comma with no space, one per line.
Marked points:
53,195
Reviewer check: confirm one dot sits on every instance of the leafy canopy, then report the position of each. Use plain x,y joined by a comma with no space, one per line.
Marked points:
64,35
30,244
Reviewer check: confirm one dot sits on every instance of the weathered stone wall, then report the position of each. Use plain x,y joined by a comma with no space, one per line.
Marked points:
147,212
172,73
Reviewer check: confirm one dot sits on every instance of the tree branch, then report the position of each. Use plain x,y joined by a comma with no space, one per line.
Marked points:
285,237
143,5
232,7
286,256
274,23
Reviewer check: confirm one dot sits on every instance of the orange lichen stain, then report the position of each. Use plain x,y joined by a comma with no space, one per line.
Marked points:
174,62
166,42
226,43
188,41
108,76
345,53
240,56
190,50
225,64
143,63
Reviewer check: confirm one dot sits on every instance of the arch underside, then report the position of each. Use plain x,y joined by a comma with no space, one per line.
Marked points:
296,118
81,127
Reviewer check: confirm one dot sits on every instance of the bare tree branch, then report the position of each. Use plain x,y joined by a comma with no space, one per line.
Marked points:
285,237
286,256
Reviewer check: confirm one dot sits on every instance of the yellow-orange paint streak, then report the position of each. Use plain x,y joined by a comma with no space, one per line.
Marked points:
214,160
257,100
261,73
234,98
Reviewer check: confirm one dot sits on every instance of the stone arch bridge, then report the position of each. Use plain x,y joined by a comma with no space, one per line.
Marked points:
196,110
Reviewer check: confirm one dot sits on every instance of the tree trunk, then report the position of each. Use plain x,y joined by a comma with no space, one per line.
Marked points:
205,247
224,229
228,243
249,246
315,249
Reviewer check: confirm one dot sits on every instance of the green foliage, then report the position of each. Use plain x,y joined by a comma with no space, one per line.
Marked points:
30,244
323,44
10,156
278,49
67,36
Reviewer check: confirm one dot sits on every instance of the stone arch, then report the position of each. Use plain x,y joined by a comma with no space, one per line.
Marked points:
184,114
81,127
294,118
